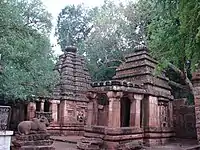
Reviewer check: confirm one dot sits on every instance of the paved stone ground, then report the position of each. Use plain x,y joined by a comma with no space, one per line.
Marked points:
69,143
68,139
70,146
64,146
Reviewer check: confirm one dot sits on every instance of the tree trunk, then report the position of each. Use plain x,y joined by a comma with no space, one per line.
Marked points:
183,76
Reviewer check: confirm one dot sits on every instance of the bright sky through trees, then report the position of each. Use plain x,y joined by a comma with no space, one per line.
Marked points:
55,6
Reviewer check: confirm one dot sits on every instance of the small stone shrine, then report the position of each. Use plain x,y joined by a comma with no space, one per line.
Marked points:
136,106
69,104
33,135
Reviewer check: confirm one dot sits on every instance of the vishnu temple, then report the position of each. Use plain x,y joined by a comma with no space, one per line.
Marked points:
136,105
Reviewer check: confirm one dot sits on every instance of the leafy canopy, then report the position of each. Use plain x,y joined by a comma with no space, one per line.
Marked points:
26,55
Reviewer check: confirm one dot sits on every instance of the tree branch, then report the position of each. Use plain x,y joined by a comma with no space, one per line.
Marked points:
178,85
114,60
176,69
183,75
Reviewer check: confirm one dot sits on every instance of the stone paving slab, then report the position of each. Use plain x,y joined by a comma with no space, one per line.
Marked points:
178,144
67,139
64,146
69,143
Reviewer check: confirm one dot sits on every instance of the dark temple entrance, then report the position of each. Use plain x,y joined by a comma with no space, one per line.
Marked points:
125,112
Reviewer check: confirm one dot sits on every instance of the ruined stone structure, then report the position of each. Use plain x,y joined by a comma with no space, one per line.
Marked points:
184,119
69,104
135,106
41,106
196,84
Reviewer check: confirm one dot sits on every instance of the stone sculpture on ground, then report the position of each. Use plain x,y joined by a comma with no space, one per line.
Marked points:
33,135
27,127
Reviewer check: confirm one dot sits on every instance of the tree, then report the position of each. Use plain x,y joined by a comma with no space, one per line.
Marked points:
104,46
174,36
34,15
74,25
26,54
117,28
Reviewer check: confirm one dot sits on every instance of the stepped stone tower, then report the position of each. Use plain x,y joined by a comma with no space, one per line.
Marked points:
139,67
70,93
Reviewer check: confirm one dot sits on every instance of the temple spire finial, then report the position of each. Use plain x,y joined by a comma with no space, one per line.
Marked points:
72,49
141,47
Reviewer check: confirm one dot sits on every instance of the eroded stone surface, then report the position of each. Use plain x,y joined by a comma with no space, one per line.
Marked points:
38,141
139,105
196,84
71,92
90,144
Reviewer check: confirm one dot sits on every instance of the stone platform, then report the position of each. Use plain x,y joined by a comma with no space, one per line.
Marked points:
40,141
75,129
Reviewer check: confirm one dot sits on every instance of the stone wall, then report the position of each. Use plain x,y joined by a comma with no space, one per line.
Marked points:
184,119
103,116
73,112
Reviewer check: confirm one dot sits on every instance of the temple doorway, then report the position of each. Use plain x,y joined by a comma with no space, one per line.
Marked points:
46,106
125,112
38,103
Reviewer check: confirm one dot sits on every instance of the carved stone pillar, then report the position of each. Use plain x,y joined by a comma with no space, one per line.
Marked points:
92,111
135,110
114,119
170,114
31,109
42,105
50,107
164,114
153,116
54,110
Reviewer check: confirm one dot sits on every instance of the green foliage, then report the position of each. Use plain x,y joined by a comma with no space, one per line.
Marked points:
73,25
25,50
35,15
113,32
174,32
170,28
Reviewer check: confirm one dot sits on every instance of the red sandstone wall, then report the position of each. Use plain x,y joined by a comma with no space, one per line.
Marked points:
103,116
184,119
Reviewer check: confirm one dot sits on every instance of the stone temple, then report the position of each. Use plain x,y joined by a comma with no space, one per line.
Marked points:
135,106
70,101
138,105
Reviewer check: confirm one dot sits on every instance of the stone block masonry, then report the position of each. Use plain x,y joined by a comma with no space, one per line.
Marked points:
69,109
138,104
39,141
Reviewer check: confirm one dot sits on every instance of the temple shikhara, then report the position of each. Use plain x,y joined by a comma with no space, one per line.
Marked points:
135,106
70,96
